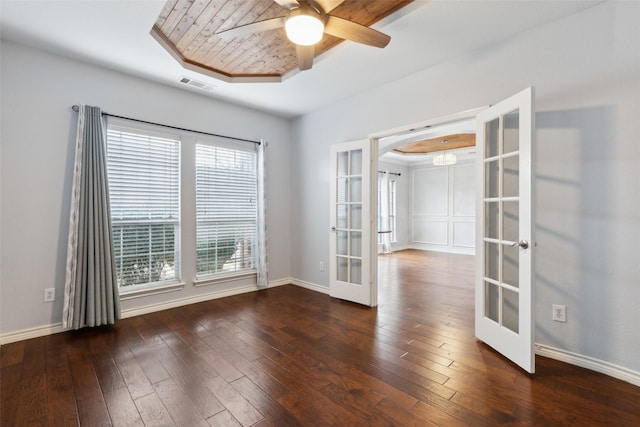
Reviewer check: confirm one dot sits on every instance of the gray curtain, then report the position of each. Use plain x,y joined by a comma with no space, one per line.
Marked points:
261,261
91,289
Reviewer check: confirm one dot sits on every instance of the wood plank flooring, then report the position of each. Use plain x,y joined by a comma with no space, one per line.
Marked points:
288,356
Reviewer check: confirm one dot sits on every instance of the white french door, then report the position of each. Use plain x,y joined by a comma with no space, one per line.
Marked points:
350,221
504,302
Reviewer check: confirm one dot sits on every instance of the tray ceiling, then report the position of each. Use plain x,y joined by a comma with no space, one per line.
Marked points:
187,29
431,145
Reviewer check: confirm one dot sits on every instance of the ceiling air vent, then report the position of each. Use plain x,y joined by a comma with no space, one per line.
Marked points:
197,84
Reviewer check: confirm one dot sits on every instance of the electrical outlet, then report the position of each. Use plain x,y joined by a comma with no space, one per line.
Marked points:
49,294
321,266
559,313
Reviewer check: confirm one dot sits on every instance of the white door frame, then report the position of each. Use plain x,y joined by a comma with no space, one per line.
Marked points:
418,127
375,138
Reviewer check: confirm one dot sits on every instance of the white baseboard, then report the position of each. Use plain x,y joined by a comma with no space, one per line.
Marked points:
439,248
311,286
281,282
591,363
571,358
394,248
35,332
54,328
576,359
152,308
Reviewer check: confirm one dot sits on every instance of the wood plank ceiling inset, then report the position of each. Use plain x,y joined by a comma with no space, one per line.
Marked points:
461,140
187,29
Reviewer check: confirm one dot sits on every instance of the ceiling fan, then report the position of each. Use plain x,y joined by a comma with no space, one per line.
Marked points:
305,24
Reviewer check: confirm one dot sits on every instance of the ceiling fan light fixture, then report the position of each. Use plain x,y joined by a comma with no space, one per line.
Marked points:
304,28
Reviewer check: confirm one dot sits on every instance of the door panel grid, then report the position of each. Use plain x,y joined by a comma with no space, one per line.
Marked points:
351,226
349,214
504,296
502,225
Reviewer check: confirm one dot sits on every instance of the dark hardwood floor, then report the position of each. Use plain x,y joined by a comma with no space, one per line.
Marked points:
288,356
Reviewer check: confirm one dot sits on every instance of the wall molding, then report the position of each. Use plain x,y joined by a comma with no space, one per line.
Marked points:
311,286
208,281
394,248
281,282
449,249
152,308
35,332
451,226
55,328
590,363
156,290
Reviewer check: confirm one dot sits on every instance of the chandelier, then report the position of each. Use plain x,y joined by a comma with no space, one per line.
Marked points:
444,158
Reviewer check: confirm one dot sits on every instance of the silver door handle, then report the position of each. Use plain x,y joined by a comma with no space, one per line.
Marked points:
522,243
333,229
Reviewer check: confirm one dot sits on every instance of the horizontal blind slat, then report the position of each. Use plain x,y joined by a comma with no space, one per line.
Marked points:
143,173
226,210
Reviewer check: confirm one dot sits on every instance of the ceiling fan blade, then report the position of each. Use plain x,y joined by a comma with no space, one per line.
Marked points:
254,27
305,57
355,32
328,5
287,4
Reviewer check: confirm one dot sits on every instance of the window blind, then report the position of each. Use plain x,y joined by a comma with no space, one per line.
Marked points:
143,171
226,210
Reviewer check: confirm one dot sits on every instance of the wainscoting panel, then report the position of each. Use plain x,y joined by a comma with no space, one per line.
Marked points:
431,232
443,207
430,195
464,234
464,191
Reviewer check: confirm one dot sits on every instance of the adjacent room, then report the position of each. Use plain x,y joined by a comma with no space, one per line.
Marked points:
395,213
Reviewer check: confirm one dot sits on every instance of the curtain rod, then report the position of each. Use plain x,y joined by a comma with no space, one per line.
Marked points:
77,108
391,173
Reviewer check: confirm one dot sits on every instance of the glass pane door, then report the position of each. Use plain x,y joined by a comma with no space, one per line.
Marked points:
351,228
501,226
349,214
504,290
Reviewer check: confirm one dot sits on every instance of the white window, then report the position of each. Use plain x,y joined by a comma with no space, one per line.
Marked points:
226,211
380,202
392,209
143,170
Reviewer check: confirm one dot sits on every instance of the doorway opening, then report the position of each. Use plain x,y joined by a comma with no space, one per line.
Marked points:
504,297
426,196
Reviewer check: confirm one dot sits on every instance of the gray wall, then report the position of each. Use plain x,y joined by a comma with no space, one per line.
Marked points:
38,128
586,70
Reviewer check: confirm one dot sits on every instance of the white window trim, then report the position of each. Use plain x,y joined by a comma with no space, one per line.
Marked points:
223,278
186,239
393,224
237,216
153,132
149,289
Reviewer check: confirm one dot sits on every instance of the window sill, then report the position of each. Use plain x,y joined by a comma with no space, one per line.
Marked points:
214,280
155,290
